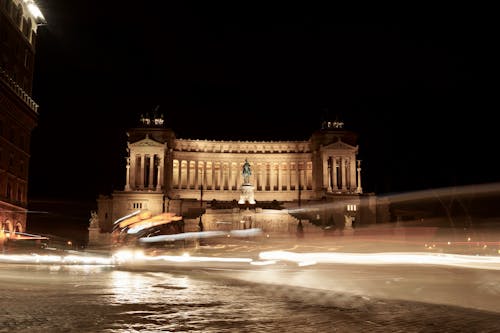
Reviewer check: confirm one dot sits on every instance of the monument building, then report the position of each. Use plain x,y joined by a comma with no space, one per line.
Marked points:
19,20
273,185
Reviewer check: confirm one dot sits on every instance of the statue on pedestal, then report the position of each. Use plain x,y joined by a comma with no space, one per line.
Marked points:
247,190
247,172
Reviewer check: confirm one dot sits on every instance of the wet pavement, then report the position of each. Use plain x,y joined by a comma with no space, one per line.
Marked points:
92,298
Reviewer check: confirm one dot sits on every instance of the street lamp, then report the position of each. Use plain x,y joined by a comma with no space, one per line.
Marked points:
300,227
300,186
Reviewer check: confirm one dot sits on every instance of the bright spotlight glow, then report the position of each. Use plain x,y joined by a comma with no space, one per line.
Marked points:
34,10
128,255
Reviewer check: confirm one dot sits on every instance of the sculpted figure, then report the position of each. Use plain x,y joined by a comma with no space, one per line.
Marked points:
94,219
247,172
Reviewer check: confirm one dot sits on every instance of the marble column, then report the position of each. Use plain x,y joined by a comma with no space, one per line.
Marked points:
334,172
201,175
151,170
287,176
127,176
188,174
343,173
230,176
352,178
133,171
159,178
278,176
142,172
213,173
222,174
359,189
326,176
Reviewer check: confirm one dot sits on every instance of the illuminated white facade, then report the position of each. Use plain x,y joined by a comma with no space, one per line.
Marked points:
278,168
164,173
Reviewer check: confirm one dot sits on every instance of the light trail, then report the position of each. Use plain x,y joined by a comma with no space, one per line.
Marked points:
266,258
201,234
388,258
55,259
137,256
456,191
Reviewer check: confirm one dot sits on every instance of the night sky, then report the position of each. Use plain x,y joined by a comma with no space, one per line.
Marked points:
418,94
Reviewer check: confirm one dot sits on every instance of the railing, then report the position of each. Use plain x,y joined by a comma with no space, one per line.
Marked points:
18,90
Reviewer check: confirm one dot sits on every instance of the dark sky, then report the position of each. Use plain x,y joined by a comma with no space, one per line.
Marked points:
418,94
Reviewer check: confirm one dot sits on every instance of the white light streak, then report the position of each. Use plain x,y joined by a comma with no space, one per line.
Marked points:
246,232
186,235
263,263
201,234
54,259
388,258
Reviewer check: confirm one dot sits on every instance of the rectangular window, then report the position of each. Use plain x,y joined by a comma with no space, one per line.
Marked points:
351,208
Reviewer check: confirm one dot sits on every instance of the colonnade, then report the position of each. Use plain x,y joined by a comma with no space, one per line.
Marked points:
339,173
226,175
145,171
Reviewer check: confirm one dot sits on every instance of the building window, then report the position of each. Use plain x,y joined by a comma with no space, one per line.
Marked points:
352,208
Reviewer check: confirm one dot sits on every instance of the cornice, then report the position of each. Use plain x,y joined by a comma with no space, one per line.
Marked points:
248,147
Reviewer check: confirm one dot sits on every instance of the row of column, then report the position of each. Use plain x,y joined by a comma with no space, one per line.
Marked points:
339,173
145,171
227,175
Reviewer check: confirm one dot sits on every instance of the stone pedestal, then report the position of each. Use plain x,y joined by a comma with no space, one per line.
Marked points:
94,236
247,194
348,227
